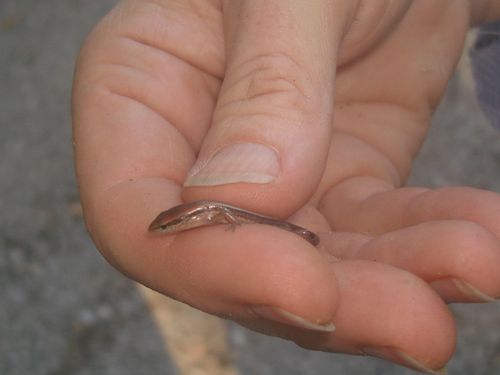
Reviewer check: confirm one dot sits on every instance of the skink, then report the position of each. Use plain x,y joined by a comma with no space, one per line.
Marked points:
202,213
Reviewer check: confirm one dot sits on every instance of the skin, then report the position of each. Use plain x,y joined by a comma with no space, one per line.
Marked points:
157,84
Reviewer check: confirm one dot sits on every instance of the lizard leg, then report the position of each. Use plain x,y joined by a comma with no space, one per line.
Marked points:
231,219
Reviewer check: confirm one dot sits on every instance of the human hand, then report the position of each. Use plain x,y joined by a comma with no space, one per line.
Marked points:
163,86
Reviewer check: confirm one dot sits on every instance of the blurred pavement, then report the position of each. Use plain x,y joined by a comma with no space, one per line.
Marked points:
65,311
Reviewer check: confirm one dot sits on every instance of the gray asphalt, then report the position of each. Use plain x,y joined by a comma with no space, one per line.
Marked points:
65,311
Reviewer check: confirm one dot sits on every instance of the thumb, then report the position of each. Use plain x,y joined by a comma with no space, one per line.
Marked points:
271,127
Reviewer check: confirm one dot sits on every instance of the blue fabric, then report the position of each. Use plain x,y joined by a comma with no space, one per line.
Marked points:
485,60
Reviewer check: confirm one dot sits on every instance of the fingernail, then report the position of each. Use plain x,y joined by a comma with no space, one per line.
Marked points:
282,316
404,359
242,162
470,290
463,287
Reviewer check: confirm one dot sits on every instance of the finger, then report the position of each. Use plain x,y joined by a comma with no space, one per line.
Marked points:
459,259
255,271
373,206
384,312
134,86
268,142
132,92
391,314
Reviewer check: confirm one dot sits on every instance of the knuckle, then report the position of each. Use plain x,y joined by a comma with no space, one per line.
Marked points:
272,79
